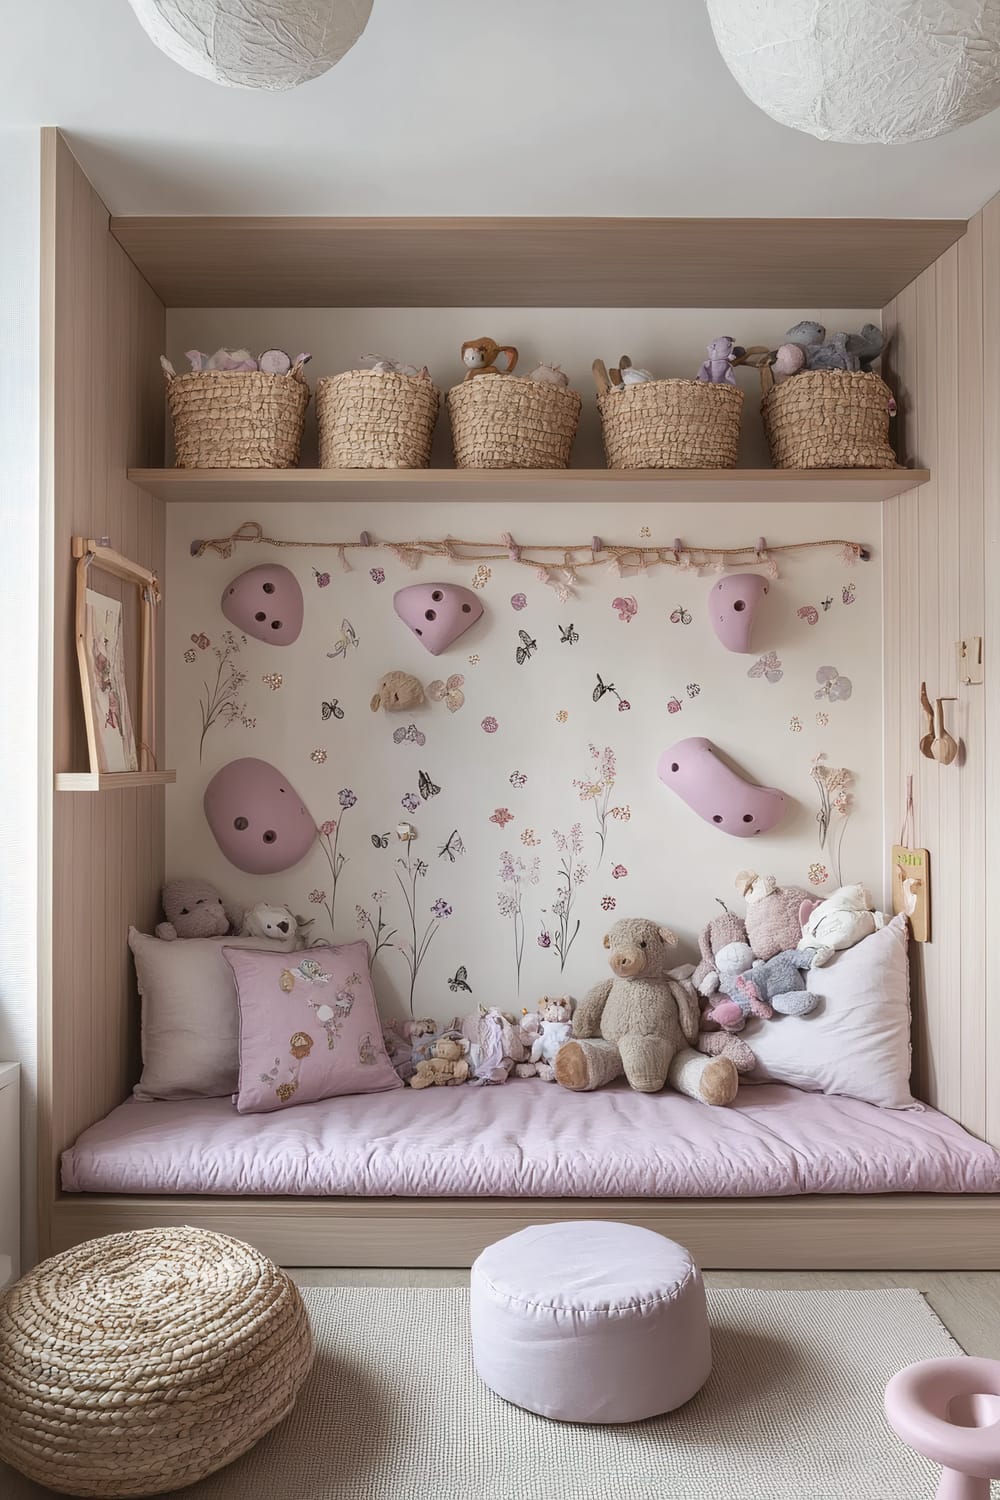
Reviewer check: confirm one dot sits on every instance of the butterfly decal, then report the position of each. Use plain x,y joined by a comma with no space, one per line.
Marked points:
411,733
827,602
847,593
201,641
567,635
189,656
680,616
449,693
524,650
452,846
345,640
833,685
380,840
460,981
332,710
767,666
693,689
426,787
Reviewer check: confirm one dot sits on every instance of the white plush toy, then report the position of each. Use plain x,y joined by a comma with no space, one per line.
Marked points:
554,1028
839,922
275,923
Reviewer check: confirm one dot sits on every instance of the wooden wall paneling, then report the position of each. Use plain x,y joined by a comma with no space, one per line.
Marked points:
944,363
990,621
966,509
533,262
105,329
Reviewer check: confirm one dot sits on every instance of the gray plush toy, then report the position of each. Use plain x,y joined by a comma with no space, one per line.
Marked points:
194,909
841,351
779,982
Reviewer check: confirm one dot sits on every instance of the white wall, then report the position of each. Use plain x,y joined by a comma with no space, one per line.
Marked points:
19,524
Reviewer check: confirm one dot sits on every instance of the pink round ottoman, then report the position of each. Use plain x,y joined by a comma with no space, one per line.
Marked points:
949,1410
590,1322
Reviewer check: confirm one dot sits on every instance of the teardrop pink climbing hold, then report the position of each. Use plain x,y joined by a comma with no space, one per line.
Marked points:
258,818
696,771
437,613
265,602
732,608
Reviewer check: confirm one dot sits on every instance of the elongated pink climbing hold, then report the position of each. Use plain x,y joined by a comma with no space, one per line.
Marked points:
696,771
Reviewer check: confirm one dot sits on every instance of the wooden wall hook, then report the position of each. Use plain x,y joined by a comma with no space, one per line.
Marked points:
937,744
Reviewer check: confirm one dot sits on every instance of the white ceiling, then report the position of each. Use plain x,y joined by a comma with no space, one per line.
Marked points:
464,107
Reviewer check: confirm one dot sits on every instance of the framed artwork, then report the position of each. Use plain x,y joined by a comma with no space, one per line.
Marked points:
104,648
100,639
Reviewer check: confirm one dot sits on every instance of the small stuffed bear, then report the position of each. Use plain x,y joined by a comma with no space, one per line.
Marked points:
447,1064
641,1024
718,367
772,919
730,1005
778,984
839,922
193,909
719,933
276,924
555,1028
402,1038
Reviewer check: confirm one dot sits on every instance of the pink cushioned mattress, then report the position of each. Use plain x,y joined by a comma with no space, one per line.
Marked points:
531,1139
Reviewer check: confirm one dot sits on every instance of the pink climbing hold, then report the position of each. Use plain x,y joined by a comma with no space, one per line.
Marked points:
258,818
696,771
265,602
437,613
732,608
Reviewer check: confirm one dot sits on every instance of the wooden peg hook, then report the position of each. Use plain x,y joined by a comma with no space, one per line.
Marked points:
937,744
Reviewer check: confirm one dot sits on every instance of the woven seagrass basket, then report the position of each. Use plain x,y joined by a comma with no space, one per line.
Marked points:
505,422
828,419
237,419
671,424
142,1362
370,419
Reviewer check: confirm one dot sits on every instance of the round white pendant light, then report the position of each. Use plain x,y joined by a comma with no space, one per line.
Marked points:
254,44
864,71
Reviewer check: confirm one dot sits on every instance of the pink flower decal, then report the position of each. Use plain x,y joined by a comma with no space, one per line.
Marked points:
544,939
377,575
608,903
328,829
795,724
501,817
809,613
674,706
322,579
627,607
517,780
489,725
818,874
623,705
319,756
518,601
317,897
619,872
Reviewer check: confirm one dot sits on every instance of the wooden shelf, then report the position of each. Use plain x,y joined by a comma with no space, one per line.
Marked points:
531,262
276,486
111,781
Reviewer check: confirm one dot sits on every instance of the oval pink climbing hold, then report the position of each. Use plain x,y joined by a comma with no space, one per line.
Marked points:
711,787
732,608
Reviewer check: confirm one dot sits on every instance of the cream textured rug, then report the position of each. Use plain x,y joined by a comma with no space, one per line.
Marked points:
393,1410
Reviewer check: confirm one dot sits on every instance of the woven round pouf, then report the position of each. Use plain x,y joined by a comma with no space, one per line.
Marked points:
590,1322
142,1362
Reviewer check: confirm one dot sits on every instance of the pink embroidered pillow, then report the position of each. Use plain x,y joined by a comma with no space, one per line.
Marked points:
309,1027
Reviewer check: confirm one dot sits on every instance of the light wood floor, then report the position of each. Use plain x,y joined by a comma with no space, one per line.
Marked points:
967,1302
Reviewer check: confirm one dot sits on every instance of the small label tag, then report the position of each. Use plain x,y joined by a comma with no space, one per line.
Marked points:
911,889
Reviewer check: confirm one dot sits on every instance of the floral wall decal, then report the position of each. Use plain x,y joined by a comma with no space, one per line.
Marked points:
516,876
220,700
834,786
597,788
409,873
571,874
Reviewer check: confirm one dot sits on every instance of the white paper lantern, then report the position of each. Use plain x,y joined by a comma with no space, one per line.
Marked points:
864,71
254,44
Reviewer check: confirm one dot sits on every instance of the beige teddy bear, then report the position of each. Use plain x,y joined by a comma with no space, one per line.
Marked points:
639,1024
447,1065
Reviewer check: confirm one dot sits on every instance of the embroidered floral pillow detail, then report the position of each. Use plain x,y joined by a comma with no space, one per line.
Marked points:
309,1027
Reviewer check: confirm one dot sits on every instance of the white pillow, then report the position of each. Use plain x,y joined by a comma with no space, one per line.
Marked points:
190,1018
857,1040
